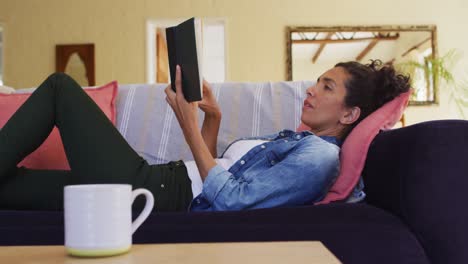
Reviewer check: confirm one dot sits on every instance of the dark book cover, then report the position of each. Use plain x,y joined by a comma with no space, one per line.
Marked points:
183,47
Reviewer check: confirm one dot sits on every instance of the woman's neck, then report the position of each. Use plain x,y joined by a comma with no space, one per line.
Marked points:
331,132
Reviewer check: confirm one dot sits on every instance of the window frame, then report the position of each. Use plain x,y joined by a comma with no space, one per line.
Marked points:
2,52
151,50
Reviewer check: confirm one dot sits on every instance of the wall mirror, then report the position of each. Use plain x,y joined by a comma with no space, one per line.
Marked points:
313,50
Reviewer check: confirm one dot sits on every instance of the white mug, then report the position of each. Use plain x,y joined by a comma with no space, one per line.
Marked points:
98,218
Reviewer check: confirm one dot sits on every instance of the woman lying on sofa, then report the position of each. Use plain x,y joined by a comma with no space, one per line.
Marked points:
283,169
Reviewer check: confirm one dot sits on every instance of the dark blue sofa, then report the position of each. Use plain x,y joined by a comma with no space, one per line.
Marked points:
416,183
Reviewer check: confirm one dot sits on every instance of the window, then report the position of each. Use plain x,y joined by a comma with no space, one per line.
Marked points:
214,66
214,50
1,55
422,80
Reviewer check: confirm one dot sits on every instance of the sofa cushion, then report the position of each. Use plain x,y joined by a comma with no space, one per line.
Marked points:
249,109
51,154
355,233
419,173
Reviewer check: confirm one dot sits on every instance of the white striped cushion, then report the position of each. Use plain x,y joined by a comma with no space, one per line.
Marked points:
249,109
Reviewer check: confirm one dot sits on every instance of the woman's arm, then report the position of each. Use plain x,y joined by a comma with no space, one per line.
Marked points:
187,115
210,129
212,121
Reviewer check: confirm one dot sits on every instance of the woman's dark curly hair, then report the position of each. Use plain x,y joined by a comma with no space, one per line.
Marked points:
371,86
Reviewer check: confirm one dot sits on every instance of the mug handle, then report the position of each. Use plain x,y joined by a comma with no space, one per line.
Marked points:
146,211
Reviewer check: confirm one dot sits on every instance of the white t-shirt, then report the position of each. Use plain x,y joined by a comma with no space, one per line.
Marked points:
236,151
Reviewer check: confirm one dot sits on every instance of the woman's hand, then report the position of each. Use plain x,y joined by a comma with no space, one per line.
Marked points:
186,113
208,104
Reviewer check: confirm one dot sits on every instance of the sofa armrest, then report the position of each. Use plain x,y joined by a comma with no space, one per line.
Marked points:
420,173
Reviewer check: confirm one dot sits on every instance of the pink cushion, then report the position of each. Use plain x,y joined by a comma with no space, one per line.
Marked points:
354,150
51,155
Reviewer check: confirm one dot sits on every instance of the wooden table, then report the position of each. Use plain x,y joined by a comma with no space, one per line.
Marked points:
205,253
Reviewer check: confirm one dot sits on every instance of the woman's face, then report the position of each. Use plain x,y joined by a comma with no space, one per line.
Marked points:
324,110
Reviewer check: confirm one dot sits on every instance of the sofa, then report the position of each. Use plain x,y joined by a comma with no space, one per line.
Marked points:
415,180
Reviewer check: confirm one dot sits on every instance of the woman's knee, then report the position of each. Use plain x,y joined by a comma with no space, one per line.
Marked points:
63,81
59,77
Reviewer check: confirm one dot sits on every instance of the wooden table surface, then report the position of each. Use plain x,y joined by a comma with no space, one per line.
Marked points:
205,253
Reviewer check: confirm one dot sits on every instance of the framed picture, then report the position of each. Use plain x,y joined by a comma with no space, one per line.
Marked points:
76,60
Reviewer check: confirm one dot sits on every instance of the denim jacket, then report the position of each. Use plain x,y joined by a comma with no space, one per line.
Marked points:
290,169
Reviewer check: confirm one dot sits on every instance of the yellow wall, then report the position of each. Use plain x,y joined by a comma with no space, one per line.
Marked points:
255,30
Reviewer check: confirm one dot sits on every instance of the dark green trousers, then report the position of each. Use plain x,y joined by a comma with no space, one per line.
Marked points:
96,151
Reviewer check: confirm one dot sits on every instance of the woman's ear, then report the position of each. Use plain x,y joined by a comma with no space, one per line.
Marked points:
351,115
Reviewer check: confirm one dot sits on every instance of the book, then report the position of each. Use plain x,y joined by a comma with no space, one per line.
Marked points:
184,48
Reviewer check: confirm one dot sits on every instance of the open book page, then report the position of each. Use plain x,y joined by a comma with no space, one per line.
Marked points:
199,43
